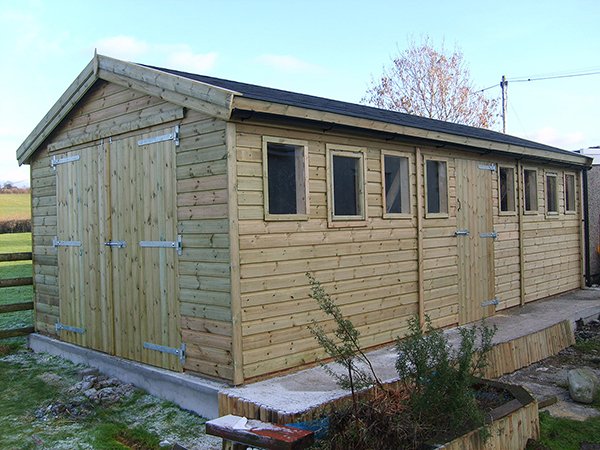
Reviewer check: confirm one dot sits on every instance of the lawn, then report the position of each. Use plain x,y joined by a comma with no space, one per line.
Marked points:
15,206
14,243
33,384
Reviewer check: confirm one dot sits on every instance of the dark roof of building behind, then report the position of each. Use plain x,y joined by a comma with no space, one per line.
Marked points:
256,92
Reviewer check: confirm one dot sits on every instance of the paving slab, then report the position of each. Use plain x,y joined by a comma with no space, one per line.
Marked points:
306,389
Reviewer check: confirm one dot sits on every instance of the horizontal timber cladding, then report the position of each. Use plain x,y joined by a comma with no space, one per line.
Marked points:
370,270
202,214
204,266
552,259
45,260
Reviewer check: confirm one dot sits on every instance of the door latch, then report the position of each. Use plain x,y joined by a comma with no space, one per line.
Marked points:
117,244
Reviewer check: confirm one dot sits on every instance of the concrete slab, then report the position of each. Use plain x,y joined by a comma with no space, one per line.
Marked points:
189,392
301,391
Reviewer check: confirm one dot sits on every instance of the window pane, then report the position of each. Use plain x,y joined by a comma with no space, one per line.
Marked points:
551,197
437,187
346,186
530,177
281,164
570,192
507,189
397,199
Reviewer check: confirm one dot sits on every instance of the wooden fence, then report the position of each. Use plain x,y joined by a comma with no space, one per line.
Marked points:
13,307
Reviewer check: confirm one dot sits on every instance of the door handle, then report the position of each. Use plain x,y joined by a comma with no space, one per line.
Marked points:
117,244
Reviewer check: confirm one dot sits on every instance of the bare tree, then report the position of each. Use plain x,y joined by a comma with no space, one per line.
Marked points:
430,83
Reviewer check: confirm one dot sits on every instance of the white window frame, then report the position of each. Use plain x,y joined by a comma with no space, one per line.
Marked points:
551,174
302,192
537,193
359,153
409,160
439,215
512,212
570,174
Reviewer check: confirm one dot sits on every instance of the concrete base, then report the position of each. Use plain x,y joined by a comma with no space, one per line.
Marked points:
189,392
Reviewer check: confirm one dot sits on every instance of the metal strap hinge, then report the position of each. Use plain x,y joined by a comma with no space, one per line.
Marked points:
461,233
174,136
491,167
493,301
54,161
61,326
492,235
57,243
165,244
180,352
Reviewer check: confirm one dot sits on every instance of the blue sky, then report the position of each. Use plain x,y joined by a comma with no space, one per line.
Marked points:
326,48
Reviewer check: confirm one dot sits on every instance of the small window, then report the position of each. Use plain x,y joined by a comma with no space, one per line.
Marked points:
284,172
396,184
551,193
436,175
347,184
507,189
530,184
570,193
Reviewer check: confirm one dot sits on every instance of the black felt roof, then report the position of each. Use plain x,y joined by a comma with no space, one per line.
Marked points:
255,92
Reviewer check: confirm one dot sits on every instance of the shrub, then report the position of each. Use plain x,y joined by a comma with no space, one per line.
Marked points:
440,380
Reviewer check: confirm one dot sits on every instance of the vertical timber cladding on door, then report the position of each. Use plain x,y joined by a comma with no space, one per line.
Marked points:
45,262
85,307
474,210
204,267
551,244
144,279
370,270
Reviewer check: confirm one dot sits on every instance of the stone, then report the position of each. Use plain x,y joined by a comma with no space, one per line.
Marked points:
88,371
91,393
164,444
583,385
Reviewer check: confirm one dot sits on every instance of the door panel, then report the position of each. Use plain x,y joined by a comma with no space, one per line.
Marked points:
475,253
83,278
143,194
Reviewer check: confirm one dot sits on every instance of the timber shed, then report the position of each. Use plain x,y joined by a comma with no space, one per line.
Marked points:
176,215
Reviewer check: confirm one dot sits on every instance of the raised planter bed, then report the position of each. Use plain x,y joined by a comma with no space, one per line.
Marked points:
511,424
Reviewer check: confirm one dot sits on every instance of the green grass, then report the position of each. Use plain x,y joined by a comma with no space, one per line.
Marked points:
14,243
139,422
15,206
565,434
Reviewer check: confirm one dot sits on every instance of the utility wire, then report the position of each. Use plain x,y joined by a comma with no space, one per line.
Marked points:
538,78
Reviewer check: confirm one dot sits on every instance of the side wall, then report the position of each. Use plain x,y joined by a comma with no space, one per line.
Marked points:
372,271
594,213
202,208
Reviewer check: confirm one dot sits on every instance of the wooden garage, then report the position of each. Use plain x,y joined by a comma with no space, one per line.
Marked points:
176,215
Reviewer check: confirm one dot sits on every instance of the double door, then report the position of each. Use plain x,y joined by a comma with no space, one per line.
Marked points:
118,248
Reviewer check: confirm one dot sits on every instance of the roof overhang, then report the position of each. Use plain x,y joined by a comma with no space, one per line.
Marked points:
415,134
212,100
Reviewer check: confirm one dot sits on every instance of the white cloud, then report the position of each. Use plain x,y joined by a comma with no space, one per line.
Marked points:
122,47
551,136
188,61
288,63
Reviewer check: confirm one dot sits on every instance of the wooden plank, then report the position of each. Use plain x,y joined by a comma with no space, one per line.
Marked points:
16,332
12,307
23,256
59,110
11,282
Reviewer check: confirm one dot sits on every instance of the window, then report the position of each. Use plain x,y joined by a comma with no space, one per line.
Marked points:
530,185
346,183
284,174
507,189
436,176
551,194
395,184
570,193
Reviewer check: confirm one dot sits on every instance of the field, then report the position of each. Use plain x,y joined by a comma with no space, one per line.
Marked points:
15,207
13,243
